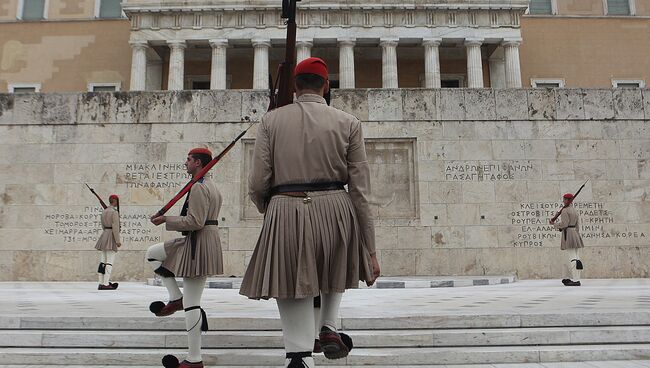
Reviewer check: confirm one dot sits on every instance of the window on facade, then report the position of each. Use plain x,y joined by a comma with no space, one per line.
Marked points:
450,83
200,85
110,9
33,9
24,88
628,83
618,7
104,89
540,7
547,83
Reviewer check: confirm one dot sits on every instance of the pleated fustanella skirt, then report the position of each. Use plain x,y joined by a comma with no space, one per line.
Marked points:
307,246
106,241
207,261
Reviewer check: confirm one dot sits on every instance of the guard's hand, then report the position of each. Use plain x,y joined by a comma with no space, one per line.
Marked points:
158,220
376,270
119,245
550,221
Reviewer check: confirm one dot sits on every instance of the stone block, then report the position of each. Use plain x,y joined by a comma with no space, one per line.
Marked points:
476,150
590,130
556,129
254,105
452,104
541,104
6,108
463,214
599,104
570,105
420,104
508,150
398,262
439,150
632,129
448,236
458,130
242,238
433,214
353,102
481,237
511,191
523,129
410,237
480,104
540,191
628,103
540,150
386,238
94,108
124,107
28,108
152,107
445,192
185,106
646,102
478,192
19,134
511,104
590,169
635,149
235,262
59,108
493,129
384,104
220,106
587,149
608,190
558,170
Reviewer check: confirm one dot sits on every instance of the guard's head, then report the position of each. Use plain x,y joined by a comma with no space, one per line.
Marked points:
197,158
114,200
311,77
567,198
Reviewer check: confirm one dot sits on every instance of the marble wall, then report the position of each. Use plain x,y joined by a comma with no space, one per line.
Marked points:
464,180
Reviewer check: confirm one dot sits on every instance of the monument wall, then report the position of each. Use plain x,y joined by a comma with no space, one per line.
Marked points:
464,180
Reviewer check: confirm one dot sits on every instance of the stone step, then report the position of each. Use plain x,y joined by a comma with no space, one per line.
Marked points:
362,339
381,356
177,322
588,364
411,282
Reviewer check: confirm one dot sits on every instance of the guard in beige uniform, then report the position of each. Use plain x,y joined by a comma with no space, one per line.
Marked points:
109,242
316,236
193,257
569,225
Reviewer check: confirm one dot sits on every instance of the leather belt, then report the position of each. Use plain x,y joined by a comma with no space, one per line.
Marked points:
192,235
298,190
106,228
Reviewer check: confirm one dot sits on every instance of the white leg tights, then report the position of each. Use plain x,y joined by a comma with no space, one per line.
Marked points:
330,304
155,256
574,255
109,257
102,260
193,290
297,317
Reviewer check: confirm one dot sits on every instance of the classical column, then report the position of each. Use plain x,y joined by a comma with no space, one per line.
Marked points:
388,62
303,50
346,63
176,65
138,65
474,63
218,70
513,68
431,62
261,63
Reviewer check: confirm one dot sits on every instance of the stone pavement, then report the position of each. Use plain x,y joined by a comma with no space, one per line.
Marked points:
537,323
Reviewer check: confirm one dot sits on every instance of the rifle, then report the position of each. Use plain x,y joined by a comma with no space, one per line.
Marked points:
200,174
282,90
568,204
104,206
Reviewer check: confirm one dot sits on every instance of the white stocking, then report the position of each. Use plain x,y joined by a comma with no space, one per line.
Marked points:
109,256
155,256
574,253
102,260
330,304
193,289
297,317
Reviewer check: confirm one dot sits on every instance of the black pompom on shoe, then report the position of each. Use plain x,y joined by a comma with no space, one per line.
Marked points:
170,361
156,307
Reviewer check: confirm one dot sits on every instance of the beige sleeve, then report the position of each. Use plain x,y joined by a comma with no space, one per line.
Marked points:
116,226
359,184
197,213
564,220
261,172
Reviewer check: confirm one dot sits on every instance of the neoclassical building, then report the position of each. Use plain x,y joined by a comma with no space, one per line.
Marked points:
104,45
422,44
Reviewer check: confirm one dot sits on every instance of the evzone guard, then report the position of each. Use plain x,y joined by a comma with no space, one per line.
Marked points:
571,241
316,238
194,257
109,242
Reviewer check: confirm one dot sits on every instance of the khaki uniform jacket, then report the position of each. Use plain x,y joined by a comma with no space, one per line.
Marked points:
109,238
569,224
204,204
323,145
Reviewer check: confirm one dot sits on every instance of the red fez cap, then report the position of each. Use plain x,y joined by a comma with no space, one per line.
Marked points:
113,196
312,65
200,151
568,196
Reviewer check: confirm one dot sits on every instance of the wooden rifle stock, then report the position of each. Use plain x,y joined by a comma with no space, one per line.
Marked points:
282,91
101,202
